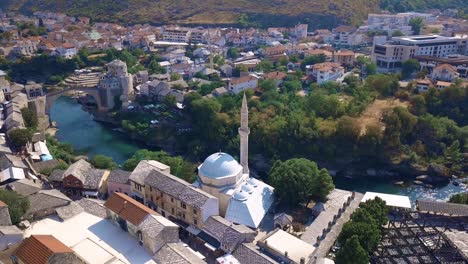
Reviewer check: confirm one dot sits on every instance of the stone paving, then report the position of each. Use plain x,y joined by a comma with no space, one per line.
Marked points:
332,206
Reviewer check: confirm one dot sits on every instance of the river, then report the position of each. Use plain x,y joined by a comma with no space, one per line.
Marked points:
78,128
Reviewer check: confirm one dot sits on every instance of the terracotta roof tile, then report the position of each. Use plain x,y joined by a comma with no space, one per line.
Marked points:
128,208
37,249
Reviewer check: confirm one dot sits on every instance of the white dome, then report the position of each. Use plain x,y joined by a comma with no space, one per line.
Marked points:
220,165
247,188
240,195
252,182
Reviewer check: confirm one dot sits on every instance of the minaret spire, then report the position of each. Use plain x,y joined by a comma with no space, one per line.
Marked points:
244,132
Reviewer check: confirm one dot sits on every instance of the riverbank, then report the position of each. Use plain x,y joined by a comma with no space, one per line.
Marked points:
79,128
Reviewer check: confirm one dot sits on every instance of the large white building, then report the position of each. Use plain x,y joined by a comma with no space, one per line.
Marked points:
242,199
390,56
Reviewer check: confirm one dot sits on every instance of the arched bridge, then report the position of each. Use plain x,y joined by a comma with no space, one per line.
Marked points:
93,91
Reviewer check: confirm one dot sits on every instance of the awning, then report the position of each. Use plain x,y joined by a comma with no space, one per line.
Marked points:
193,230
90,193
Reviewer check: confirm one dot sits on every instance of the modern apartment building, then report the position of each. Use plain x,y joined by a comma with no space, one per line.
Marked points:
389,56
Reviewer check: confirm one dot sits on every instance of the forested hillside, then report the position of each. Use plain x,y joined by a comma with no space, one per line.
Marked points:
255,12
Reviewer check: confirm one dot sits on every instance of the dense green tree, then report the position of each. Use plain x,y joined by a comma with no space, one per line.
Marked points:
264,66
268,85
298,180
30,118
378,209
179,167
104,162
459,198
20,137
233,53
17,204
397,33
416,23
352,252
368,234
311,60
386,85
409,67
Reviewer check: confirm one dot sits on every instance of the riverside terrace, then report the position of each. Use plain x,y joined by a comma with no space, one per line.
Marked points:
436,233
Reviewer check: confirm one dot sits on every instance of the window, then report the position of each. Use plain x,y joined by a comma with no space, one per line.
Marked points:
151,189
195,211
172,200
183,205
183,216
172,210
195,222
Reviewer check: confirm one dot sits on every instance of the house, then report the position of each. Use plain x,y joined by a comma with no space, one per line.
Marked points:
286,248
276,75
4,86
33,90
344,57
10,236
24,187
66,50
44,203
423,84
11,174
326,71
119,181
139,174
220,91
5,219
151,229
248,253
82,180
177,253
237,85
442,85
228,234
44,249
176,199
140,77
445,72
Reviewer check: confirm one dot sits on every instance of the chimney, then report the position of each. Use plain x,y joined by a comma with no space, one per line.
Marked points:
125,204
302,261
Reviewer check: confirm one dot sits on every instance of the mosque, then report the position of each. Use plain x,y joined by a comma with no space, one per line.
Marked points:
242,199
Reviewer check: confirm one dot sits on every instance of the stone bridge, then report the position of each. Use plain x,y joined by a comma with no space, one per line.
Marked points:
92,91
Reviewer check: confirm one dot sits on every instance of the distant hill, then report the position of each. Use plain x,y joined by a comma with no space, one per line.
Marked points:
318,13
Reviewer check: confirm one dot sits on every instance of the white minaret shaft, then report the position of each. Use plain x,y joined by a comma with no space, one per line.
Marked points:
244,131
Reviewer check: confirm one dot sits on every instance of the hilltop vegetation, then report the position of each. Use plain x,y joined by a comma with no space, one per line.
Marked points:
414,5
258,12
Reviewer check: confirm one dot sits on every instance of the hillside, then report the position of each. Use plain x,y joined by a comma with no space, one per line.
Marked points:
318,13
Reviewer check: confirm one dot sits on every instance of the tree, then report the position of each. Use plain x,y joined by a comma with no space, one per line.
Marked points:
170,100
298,180
233,53
30,118
268,85
348,129
367,233
179,167
264,66
459,198
378,209
397,33
17,204
409,67
352,252
104,162
386,85
175,76
416,24
20,137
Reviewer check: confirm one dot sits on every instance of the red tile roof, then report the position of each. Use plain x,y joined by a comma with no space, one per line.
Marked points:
128,208
37,249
